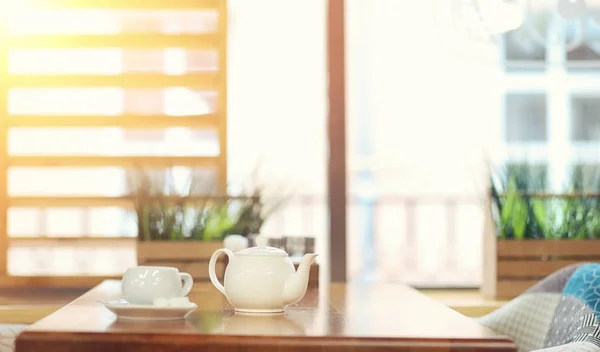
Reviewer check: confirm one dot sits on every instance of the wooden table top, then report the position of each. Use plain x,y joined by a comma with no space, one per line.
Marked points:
341,318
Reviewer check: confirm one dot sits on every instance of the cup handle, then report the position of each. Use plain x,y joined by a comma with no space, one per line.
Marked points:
212,267
188,282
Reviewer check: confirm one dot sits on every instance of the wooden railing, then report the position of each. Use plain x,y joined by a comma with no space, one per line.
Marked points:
389,246
371,246
206,80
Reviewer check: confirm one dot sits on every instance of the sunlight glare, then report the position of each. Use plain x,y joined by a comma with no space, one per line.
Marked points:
8,7
500,16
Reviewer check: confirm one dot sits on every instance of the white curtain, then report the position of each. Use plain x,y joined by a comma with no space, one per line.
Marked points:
421,107
277,108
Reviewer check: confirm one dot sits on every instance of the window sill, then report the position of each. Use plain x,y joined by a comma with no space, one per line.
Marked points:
468,302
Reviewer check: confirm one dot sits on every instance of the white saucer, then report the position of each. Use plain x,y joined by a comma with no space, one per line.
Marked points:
123,310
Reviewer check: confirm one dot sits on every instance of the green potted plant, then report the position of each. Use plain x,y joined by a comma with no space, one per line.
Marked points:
183,226
533,232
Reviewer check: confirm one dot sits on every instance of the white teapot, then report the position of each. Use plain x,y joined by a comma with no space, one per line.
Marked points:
261,279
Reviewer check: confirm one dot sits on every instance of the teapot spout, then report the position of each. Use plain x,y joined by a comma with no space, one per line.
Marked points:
295,286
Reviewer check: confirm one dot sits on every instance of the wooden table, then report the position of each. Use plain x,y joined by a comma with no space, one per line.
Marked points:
341,318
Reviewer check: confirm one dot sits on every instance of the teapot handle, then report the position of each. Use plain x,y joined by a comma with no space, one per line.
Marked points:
212,267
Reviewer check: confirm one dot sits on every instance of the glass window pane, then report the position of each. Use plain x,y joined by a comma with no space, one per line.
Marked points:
41,181
112,141
111,221
585,118
65,222
525,117
587,53
110,61
71,181
71,260
24,222
175,101
524,48
583,53
528,177
521,46
585,178
113,21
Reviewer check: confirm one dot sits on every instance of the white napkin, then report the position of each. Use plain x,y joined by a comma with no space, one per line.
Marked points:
171,302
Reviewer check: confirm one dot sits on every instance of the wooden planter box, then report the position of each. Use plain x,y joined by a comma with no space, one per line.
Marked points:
191,257
510,267
518,265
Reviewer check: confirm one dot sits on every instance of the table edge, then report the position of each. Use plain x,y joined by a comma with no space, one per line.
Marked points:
48,337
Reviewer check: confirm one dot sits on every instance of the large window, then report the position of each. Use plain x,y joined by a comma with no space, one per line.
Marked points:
93,91
419,113
437,89
90,94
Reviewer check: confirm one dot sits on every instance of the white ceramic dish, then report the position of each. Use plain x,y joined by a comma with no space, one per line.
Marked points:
123,310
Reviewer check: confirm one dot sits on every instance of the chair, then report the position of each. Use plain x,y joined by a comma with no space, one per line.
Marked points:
560,313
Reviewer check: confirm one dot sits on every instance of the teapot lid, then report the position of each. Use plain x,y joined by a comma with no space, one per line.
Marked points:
262,249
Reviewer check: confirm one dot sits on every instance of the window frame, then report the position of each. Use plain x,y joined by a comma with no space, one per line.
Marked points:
216,81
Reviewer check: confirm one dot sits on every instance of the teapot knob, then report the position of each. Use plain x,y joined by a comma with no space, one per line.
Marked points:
261,241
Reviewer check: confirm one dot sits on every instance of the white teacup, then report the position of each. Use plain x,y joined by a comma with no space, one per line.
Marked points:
144,284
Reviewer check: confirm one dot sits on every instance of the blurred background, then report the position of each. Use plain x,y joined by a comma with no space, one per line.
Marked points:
438,93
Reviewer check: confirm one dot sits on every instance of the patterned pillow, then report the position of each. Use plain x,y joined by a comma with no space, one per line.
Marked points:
560,313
